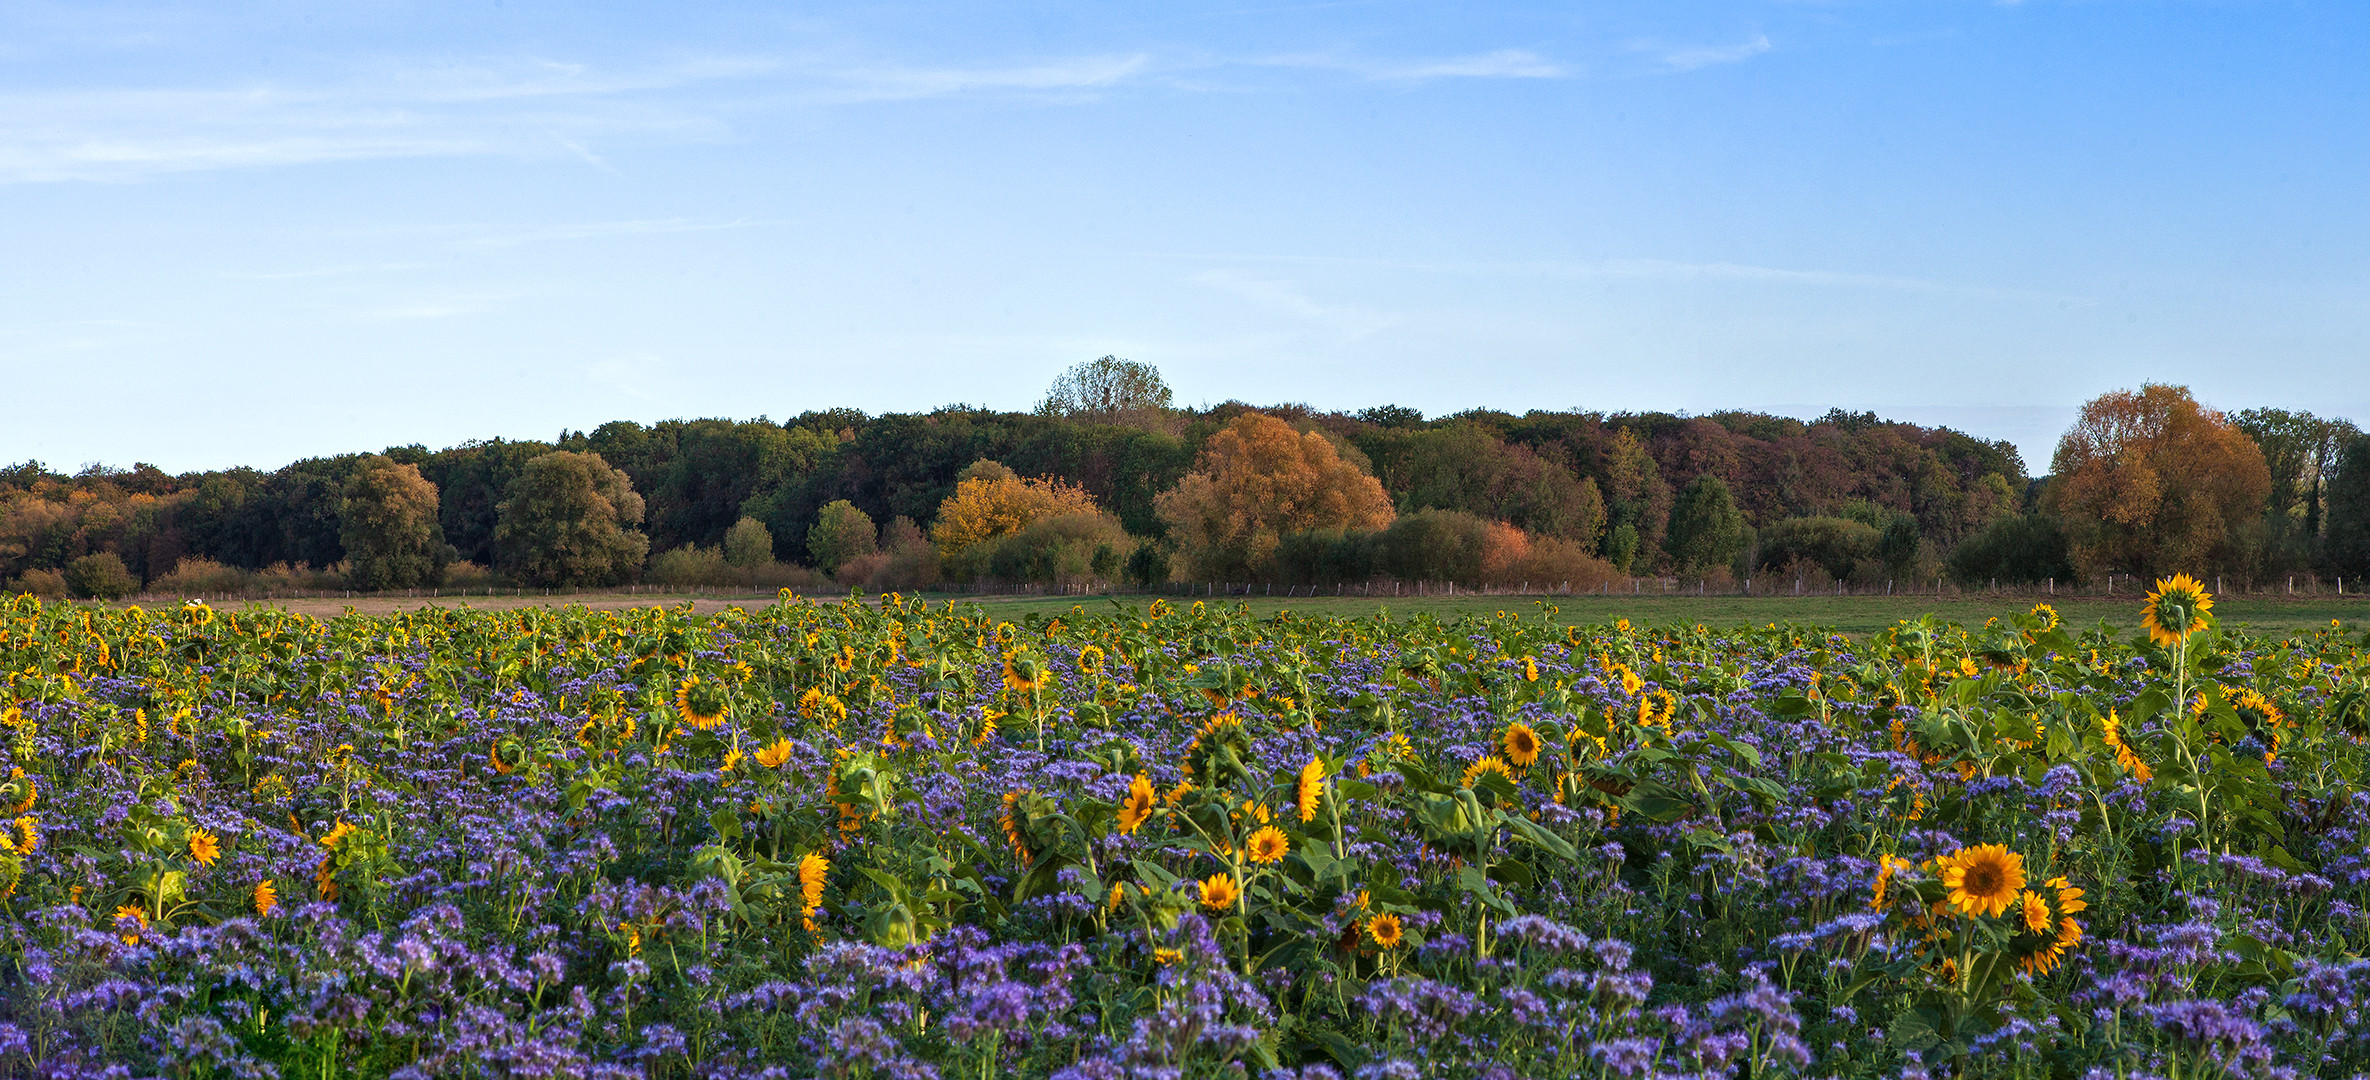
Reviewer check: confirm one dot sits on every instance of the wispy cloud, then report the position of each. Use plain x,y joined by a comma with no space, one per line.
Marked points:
1284,297
596,230
1633,269
1502,64
540,108
1702,56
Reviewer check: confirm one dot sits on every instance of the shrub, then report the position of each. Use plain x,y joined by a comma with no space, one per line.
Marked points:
1318,556
46,584
197,576
749,543
102,576
468,575
2024,549
1435,545
1837,545
1066,549
839,534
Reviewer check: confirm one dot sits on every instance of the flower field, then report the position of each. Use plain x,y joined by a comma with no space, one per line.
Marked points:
913,840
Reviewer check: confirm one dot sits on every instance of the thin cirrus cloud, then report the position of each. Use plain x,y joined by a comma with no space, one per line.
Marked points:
1690,58
540,108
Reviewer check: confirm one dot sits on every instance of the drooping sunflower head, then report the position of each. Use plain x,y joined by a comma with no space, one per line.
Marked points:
1983,880
1267,846
1312,788
1385,930
1522,745
2035,912
813,872
2179,607
701,701
266,897
1141,802
1485,767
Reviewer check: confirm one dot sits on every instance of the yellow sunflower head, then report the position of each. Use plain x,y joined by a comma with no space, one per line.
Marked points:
1267,846
1312,788
775,754
1141,802
1983,880
204,847
1484,767
1385,930
2179,607
1521,744
1219,892
2035,911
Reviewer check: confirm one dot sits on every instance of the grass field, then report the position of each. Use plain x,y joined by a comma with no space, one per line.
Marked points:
1848,614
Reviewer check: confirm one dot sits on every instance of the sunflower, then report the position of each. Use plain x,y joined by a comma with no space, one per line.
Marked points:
1090,660
1530,669
204,847
1020,674
1141,802
2179,607
1009,818
1164,955
266,897
1219,892
1312,787
1983,879
1266,846
1886,867
1522,745
2124,756
702,703
2069,898
138,917
2047,615
1384,929
775,754
813,869
2035,912
1484,767
2044,957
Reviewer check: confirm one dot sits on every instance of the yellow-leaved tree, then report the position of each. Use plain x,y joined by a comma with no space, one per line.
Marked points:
991,501
1256,481
2151,483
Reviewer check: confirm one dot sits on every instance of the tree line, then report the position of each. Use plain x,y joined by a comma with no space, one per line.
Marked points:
1106,481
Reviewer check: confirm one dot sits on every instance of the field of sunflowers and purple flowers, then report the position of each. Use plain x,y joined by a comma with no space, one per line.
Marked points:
903,839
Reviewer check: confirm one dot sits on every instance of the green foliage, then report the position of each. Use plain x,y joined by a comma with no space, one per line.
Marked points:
1838,546
841,533
389,527
2349,510
1706,529
1109,390
102,576
1435,545
748,543
1328,556
2026,550
569,519
1065,549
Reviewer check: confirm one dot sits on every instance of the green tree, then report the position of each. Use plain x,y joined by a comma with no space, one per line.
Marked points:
1109,390
840,534
102,576
748,543
389,526
1636,497
1706,528
570,519
2349,509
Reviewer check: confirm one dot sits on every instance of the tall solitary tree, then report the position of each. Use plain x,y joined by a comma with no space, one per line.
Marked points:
1109,390
569,519
389,526
2153,482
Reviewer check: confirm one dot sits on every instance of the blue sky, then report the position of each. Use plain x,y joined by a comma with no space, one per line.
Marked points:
252,232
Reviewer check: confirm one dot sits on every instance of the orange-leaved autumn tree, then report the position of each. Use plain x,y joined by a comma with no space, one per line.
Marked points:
1256,481
2152,483
991,501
